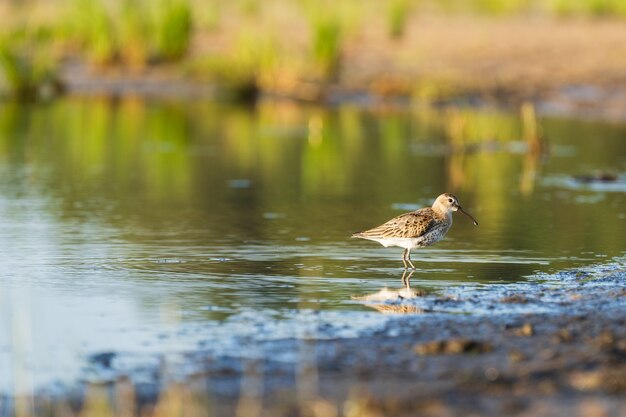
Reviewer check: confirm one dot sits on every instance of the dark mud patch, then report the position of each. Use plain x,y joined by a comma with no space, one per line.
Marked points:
452,346
555,345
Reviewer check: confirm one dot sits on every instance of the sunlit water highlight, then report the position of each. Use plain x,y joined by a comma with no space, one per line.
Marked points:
149,228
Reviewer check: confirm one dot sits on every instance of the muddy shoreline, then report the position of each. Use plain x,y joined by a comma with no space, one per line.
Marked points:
555,345
569,361
595,101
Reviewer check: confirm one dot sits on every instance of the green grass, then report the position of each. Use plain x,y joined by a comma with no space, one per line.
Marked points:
26,71
172,28
592,8
207,15
86,25
397,16
132,27
134,34
560,8
251,64
129,32
502,7
487,7
326,33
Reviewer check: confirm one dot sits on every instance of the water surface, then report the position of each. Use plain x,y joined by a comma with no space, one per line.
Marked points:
158,227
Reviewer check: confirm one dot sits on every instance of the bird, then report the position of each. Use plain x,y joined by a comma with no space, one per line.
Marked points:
417,229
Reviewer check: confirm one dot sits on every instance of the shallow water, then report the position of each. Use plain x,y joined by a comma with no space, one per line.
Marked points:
143,227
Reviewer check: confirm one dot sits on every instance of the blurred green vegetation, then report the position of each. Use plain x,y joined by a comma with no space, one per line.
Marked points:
398,13
27,69
593,8
597,8
246,44
327,44
24,76
132,32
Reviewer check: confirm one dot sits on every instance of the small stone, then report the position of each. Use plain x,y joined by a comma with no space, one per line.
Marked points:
429,348
563,335
517,356
452,346
492,374
606,339
526,330
586,381
548,354
515,299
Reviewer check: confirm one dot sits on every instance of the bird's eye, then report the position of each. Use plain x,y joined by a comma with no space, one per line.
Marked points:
449,200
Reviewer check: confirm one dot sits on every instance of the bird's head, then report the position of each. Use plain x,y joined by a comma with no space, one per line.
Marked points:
447,203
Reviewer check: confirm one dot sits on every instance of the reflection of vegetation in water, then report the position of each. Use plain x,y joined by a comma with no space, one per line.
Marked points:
324,172
246,184
322,161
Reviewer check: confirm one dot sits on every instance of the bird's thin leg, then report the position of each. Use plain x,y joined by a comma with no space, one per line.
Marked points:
404,259
408,258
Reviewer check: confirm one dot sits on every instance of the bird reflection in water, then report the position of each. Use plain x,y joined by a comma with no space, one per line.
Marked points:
393,301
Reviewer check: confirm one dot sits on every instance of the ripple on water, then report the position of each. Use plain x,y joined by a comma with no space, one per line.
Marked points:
542,293
572,183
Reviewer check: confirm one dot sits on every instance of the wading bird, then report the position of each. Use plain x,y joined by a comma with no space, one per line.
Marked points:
418,228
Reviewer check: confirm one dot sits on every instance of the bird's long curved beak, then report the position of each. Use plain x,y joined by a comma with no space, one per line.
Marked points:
468,215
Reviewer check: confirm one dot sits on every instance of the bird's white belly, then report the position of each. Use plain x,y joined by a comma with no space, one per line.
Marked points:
403,242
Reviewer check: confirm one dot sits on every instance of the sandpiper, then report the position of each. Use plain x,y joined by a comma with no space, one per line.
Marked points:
418,228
